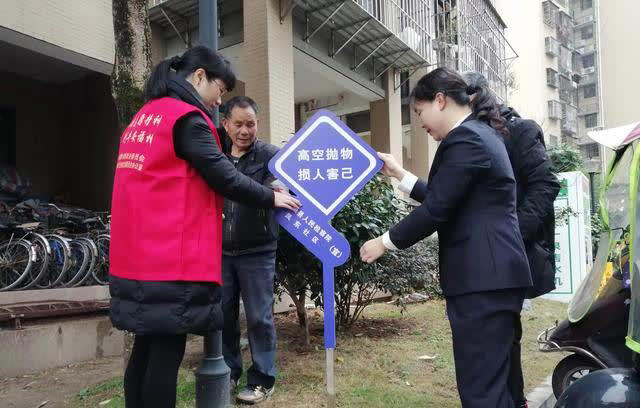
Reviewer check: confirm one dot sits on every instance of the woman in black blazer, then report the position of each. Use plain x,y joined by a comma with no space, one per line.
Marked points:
470,201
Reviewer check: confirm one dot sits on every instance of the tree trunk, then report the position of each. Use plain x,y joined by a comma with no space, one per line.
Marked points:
132,66
299,298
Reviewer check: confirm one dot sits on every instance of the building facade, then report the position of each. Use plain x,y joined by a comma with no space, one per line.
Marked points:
57,118
557,75
358,58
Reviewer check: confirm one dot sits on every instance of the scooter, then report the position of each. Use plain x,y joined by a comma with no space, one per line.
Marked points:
602,330
596,342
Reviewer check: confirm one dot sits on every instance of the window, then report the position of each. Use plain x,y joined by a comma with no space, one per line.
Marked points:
588,61
589,91
359,121
404,81
593,150
591,120
586,32
587,4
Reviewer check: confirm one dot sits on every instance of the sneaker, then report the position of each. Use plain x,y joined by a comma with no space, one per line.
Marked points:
254,394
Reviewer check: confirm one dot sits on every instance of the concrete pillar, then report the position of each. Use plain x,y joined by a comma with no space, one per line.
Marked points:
423,147
239,90
386,120
268,61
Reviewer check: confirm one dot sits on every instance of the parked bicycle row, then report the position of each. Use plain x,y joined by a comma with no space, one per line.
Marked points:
43,246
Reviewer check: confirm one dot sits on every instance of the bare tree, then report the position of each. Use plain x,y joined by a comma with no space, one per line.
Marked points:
132,66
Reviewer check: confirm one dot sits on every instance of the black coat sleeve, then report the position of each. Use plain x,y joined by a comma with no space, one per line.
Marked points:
464,160
537,185
194,143
419,191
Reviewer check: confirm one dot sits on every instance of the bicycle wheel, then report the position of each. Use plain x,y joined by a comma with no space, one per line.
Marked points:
101,270
39,267
16,259
93,258
58,263
80,257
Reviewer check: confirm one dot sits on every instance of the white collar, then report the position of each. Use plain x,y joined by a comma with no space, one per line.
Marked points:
458,123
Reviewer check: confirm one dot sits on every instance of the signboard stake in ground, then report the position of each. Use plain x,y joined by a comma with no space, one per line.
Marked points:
325,164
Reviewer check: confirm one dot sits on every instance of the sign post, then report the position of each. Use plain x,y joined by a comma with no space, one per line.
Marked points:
325,164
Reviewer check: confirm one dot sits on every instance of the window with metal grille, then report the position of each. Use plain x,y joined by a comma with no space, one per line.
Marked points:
587,4
589,91
552,77
591,120
588,60
586,32
593,150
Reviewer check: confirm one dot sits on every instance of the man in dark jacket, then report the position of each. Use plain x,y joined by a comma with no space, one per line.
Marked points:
249,256
537,188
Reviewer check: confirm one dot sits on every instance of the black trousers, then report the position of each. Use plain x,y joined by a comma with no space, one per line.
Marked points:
152,373
483,330
516,380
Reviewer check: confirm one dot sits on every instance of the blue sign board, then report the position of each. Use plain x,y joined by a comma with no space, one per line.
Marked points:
325,164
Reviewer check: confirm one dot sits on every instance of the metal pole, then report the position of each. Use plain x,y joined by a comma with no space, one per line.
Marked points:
208,30
329,331
213,375
331,379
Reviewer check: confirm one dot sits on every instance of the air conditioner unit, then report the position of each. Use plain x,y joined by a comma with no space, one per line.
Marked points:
410,37
555,109
590,70
552,46
587,19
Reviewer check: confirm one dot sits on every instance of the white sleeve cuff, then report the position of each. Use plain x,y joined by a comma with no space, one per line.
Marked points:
408,182
386,241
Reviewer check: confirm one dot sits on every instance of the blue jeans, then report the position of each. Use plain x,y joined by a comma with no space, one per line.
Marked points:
250,276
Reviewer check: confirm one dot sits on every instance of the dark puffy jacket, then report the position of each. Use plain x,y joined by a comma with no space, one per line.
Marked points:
537,188
248,230
163,308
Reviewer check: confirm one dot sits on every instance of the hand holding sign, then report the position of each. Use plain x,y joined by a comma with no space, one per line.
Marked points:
391,167
325,164
284,200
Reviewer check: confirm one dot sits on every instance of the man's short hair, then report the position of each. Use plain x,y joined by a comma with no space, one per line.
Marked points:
239,102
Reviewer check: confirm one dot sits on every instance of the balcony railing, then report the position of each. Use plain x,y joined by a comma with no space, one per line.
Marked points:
153,3
409,20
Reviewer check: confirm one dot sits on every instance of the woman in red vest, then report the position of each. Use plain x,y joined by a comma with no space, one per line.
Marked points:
166,227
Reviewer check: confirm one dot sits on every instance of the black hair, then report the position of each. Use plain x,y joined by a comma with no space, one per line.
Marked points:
213,63
451,84
239,102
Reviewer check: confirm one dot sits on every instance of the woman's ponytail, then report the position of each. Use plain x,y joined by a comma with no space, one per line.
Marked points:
484,104
213,63
157,84
486,108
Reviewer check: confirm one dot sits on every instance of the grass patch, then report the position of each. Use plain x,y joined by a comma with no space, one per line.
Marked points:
376,363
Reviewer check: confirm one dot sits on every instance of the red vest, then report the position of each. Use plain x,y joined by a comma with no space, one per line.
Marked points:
166,222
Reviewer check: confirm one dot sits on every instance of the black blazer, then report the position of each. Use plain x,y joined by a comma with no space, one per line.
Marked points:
470,200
